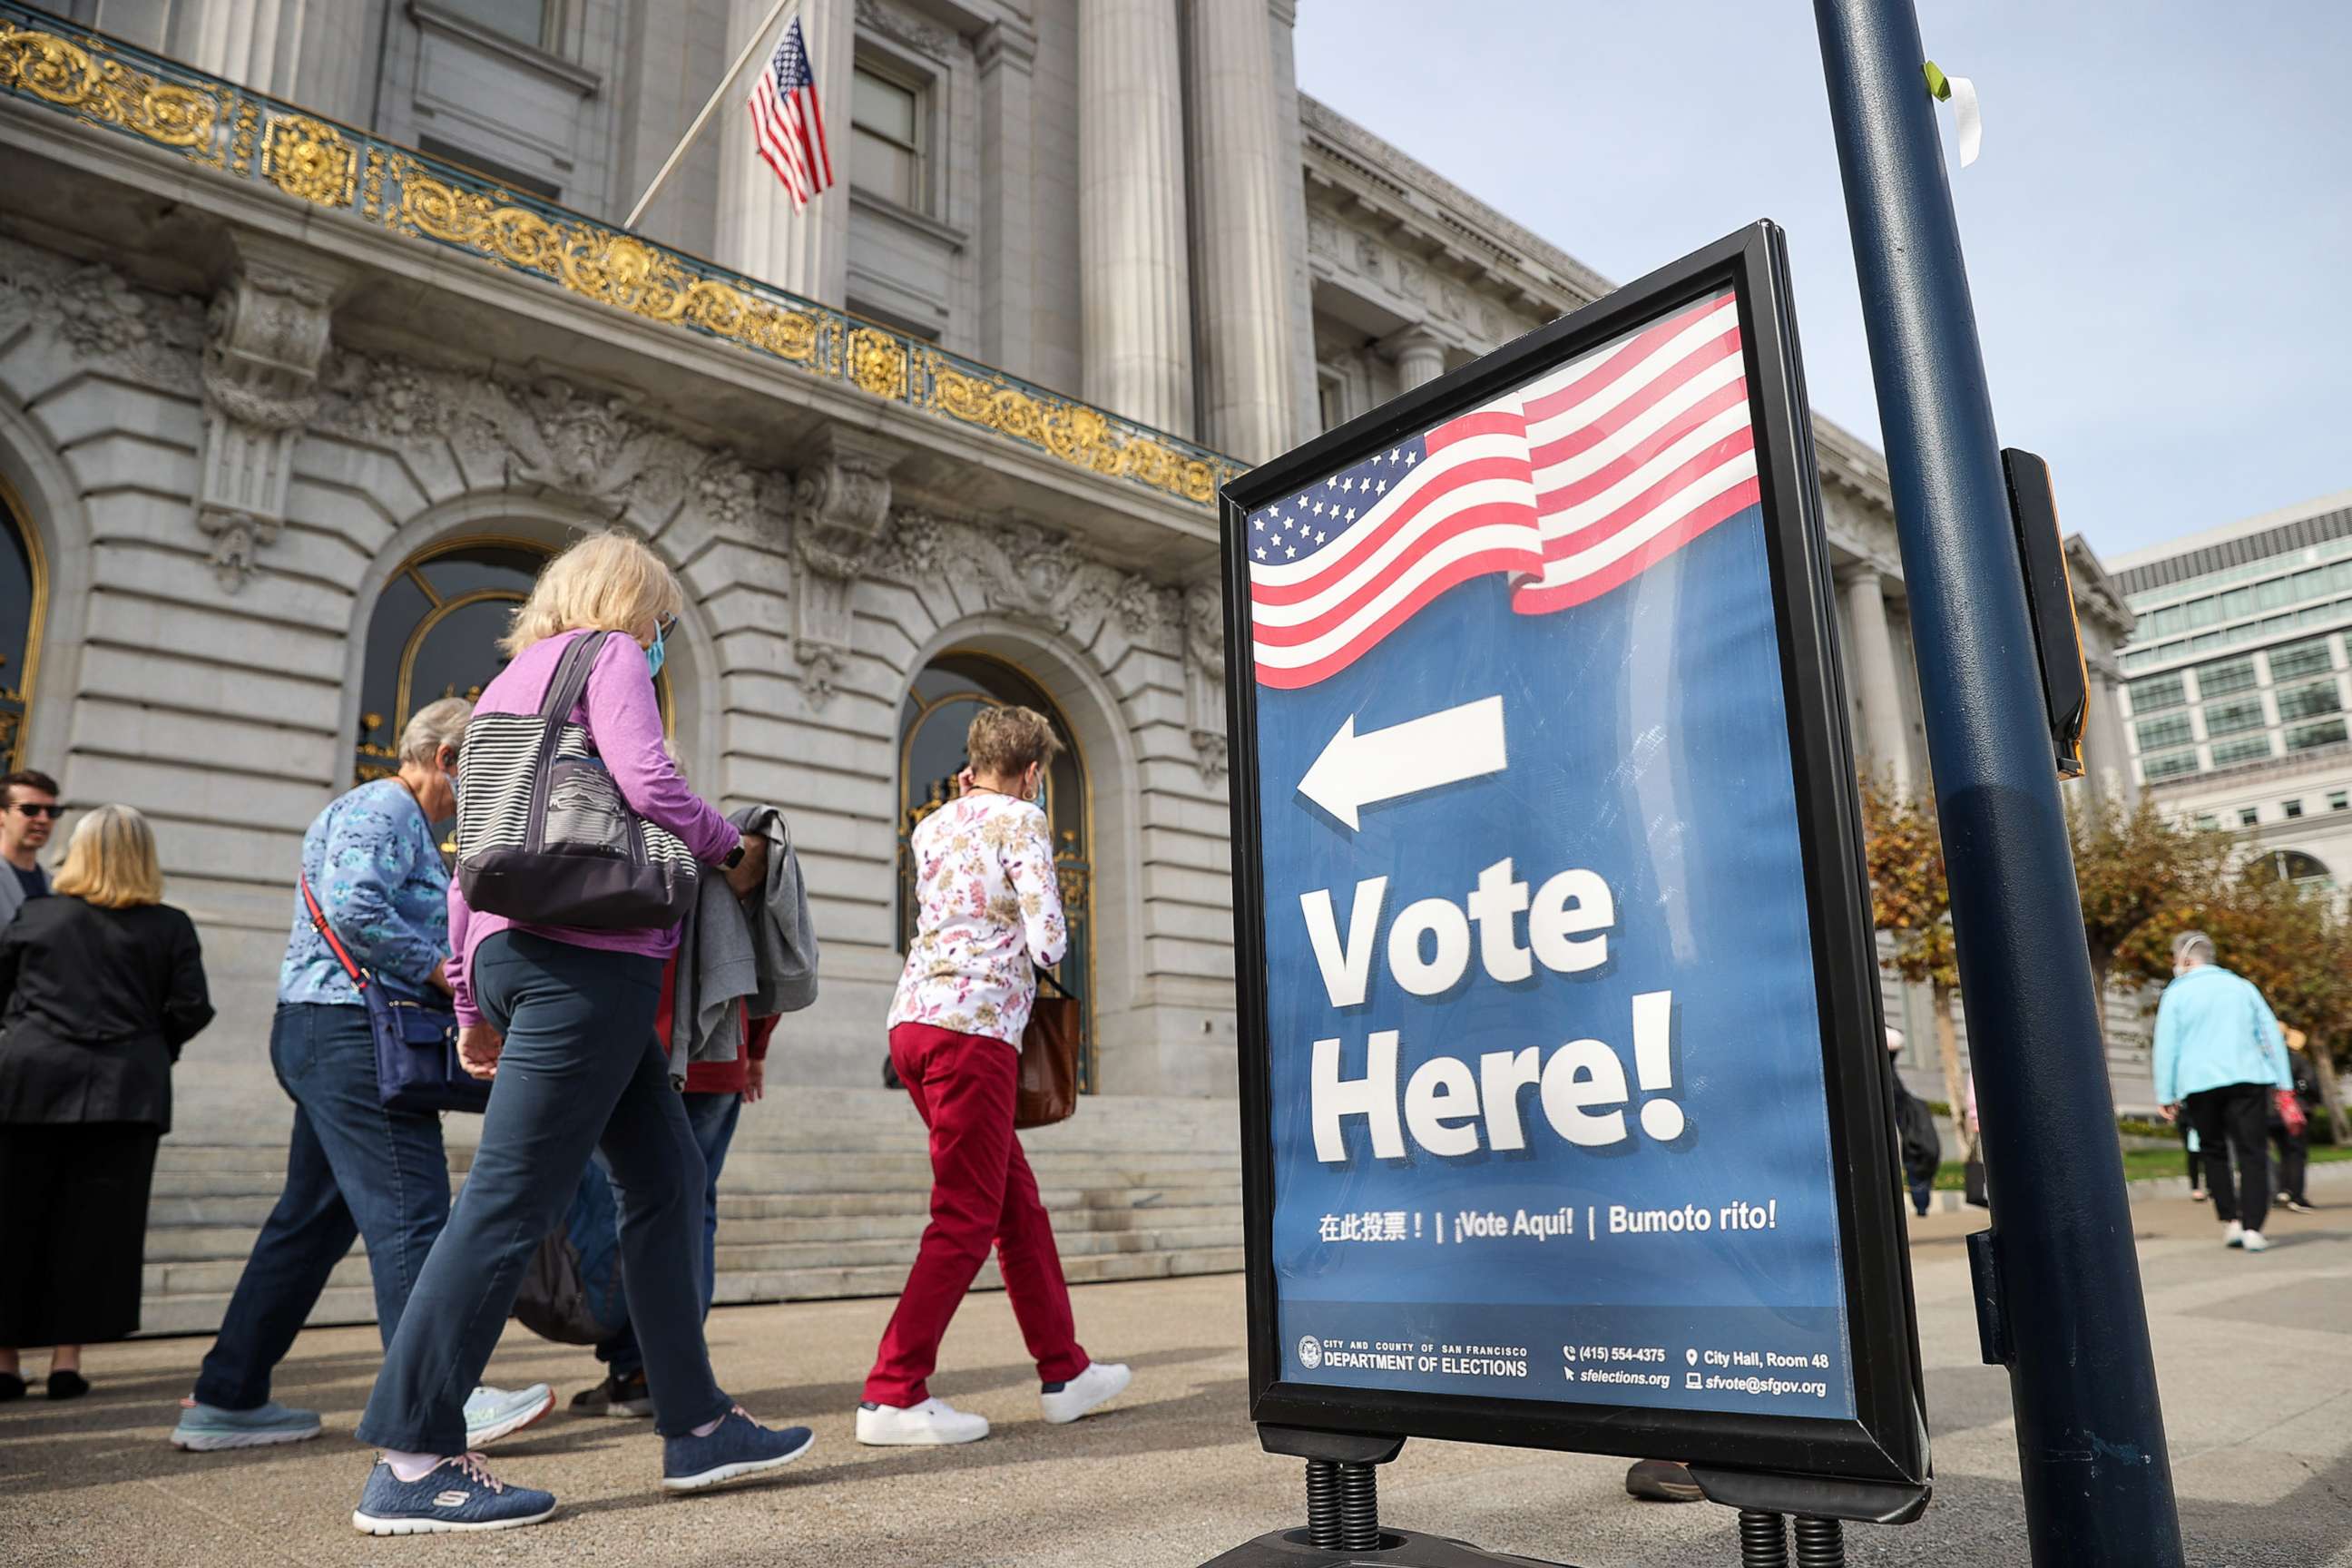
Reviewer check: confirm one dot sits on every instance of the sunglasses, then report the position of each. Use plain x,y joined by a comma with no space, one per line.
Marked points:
51,812
663,627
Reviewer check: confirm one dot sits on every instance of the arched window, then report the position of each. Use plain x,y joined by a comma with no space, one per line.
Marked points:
435,634
23,596
932,725
2289,866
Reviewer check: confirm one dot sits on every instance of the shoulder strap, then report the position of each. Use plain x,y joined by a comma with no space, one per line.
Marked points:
318,923
571,677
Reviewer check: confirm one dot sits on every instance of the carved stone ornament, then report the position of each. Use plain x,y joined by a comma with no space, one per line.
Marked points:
99,316
1205,677
266,338
841,510
875,17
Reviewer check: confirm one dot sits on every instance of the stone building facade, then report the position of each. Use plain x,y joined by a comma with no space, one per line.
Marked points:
318,331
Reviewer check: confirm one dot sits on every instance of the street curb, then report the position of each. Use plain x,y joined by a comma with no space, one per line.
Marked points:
2148,1189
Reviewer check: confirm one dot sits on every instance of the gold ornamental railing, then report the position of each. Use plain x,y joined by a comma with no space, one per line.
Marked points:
241,135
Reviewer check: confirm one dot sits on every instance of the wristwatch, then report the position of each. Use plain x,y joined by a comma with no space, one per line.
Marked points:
734,859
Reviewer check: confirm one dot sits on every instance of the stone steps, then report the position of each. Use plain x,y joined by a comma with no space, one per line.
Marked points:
825,1194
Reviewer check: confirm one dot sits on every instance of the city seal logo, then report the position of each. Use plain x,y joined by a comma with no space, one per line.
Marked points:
1310,1352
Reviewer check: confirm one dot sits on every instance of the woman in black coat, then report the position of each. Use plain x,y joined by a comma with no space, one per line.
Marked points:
101,985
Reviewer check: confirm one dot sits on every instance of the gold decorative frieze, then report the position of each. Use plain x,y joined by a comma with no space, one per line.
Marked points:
249,137
309,158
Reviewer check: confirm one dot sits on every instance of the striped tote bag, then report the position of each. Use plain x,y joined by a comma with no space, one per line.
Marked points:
544,833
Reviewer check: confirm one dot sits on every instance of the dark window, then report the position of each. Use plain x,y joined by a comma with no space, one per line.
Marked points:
2228,717
2309,701
2220,679
2155,735
2158,693
2300,659
2292,809
2248,816
2244,748
2309,735
2170,766
885,120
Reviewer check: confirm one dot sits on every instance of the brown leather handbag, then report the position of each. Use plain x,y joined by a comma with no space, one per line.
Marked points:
1049,1058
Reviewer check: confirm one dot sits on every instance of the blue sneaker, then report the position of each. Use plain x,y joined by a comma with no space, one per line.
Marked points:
458,1494
493,1413
739,1447
206,1427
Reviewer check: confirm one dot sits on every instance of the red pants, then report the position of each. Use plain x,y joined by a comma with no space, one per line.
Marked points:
981,1191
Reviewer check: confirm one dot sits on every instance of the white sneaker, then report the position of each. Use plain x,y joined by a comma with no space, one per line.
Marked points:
1101,1383
932,1423
494,1413
2233,1235
2253,1242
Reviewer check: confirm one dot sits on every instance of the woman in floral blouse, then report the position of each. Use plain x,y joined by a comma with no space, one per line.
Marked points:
989,913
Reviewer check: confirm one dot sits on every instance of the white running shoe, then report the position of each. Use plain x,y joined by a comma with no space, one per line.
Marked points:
1101,1383
493,1413
2253,1242
932,1423
2233,1235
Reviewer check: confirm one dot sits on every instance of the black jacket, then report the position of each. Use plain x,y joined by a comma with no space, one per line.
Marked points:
94,1006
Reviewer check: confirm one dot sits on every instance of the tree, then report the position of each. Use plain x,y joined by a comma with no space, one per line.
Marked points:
1911,900
2132,866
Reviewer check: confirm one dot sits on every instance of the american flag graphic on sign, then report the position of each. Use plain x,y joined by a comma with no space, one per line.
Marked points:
1570,485
787,122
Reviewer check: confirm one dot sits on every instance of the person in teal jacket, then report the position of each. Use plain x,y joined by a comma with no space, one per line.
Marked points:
2220,1053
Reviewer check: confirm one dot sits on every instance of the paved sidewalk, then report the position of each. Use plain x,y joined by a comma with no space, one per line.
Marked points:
2257,1384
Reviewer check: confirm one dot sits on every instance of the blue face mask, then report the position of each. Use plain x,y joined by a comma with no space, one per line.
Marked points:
654,654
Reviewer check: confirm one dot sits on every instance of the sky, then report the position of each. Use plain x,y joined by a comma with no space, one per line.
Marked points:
2158,231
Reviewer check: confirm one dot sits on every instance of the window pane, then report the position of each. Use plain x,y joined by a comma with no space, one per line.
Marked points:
884,170
883,106
2172,764
525,20
2155,735
2243,749
2204,612
2339,800
2247,816
2228,717
2305,702
2157,694
2310,735
2303,659
2292,809
2237,602
2220,679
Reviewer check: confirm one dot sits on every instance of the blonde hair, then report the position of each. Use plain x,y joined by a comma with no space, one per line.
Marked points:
609,582
1005,741
111,861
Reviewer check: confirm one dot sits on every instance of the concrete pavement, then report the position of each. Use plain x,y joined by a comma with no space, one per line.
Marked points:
2253,1354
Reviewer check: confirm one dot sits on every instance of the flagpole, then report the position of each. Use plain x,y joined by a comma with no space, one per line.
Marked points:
760,35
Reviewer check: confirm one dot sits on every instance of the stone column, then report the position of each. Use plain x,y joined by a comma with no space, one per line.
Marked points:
2107,758
760,235
1245,287
1007,51
1306,403
318,54
1135,284
1420,356
1870,664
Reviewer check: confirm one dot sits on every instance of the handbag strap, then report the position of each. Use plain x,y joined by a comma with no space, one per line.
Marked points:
1045,977
318,923
563,688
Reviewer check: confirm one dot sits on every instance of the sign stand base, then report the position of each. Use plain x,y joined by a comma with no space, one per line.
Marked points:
1343,1514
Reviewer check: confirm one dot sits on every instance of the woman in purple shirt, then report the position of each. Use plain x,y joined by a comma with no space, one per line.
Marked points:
561,1019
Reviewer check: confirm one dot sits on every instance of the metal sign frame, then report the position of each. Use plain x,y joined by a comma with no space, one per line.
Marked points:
1886,1440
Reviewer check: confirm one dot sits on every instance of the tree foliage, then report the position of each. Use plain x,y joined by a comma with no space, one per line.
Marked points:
2132,866
1911,900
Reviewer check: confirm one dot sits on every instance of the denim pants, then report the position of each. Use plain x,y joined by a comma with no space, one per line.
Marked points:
712,1117
581,1070
352,1168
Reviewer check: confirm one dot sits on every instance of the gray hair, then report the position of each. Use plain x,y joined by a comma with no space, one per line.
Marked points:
2193,947
434,726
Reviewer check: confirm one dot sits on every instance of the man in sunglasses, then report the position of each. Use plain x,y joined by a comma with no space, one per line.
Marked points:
28,811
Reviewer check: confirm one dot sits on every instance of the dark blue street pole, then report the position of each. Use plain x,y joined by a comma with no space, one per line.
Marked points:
2090,1433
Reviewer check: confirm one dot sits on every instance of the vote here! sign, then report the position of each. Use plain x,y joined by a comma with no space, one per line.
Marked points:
1538,1017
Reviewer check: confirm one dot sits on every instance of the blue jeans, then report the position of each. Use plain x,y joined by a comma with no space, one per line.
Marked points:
352,1168
712,1117
581,1070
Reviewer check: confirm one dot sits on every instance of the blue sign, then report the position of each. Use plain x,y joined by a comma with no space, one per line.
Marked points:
1545,1095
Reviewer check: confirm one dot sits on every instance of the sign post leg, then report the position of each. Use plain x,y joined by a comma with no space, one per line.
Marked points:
2090,1433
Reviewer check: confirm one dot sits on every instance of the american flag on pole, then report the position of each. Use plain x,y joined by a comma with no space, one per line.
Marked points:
1570,485
787,122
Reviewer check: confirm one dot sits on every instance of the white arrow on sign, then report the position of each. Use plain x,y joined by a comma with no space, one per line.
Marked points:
1442,748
